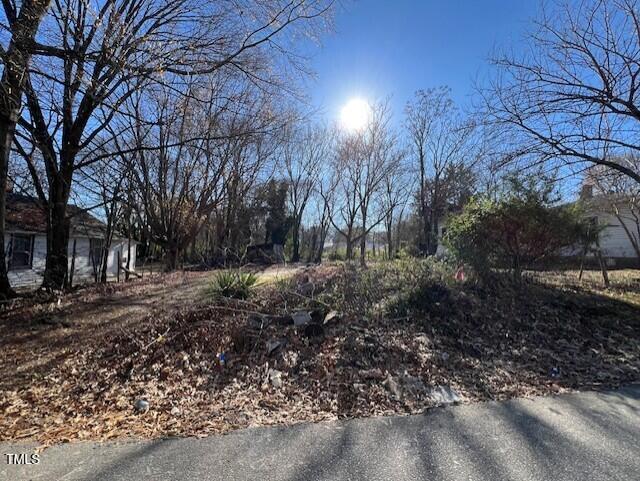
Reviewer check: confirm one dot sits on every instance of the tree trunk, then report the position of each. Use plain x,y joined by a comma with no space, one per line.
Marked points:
363,241
171,258
127,275
105,262
320,248
73,266
349,248
56,265
6,139
434,236
295,237
16,61
314,244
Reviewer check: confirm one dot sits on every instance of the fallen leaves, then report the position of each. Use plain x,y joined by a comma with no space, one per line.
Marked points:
485,345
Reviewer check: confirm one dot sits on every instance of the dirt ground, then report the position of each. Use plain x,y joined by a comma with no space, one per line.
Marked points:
74,368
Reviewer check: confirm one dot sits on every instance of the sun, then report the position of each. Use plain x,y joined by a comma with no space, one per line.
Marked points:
355,114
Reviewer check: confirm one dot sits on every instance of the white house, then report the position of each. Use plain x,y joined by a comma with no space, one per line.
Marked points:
620,229
26,244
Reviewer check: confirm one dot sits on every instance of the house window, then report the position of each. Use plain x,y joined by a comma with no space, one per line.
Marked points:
96,248
21,251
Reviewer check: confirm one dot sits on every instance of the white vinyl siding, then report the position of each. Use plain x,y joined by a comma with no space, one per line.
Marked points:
83,268
614,241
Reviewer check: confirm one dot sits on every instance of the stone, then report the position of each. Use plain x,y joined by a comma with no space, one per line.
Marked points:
141,405
444,395
274,377
301,318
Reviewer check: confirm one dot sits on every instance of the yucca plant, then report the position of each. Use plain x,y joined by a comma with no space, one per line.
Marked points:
234,284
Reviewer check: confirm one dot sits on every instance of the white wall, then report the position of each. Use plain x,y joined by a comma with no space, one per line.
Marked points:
614,241
29,277
83,270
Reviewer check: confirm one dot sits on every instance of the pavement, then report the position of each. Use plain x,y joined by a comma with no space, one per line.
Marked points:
582,436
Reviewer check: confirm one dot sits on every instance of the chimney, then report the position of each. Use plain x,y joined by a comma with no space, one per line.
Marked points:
586,191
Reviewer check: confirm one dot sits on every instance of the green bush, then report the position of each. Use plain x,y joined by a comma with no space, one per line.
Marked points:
234,284
521,228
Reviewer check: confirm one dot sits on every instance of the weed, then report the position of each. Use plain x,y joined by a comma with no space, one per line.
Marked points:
234,284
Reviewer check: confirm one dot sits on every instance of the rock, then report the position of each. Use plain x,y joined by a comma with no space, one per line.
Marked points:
313,330
331,316
393,386
301,318
444,395
175,411
274,377
375,373
141,405
274,344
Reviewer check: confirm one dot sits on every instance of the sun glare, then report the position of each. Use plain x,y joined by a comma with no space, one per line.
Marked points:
355,114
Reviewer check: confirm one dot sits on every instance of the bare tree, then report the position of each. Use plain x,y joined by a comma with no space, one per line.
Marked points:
303,155
362,162
572,98
200,147
397,191
98,58
443,147
105,184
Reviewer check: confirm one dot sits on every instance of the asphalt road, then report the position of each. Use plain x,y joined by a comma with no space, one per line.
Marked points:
586,436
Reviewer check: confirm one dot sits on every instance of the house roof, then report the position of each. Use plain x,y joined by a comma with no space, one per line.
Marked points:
27,214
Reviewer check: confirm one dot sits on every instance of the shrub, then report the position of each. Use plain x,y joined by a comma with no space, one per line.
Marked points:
234,284
389,288
522,227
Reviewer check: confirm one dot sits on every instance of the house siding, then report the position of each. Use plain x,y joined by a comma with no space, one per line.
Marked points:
614,241
83,269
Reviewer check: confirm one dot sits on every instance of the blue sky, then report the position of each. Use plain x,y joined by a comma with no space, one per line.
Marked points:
392,48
